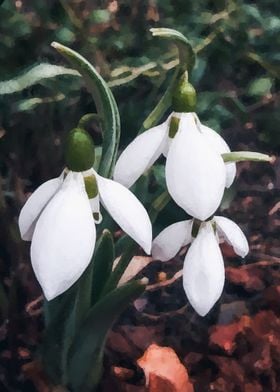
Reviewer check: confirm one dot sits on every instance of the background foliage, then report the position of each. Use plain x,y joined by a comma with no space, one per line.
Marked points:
236,75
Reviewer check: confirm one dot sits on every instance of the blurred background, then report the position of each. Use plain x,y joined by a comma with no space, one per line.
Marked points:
237,346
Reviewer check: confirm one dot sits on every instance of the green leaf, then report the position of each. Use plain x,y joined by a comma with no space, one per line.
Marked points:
228,197
102,264
185,49
260,87
86,352
59,317
186,62
105,104
158,204
116,275
238,156
33,76
31,103
95,276
273,69
161,106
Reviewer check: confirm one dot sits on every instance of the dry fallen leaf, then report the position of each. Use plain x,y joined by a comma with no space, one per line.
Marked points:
163,370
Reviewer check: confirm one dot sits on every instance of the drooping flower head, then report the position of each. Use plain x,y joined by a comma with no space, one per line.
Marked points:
203,271
195,172
59,217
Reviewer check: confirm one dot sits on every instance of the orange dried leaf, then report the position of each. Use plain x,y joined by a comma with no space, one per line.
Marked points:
163,370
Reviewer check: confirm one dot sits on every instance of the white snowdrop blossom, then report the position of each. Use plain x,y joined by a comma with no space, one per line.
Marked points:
195,172
58,219
203,271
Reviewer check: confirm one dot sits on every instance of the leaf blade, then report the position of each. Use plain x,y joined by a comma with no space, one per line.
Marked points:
239,156
33,76
86,351
105,104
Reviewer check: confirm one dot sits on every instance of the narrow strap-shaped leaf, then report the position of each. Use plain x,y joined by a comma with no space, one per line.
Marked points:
58,334
157,205
105,104
102,264
116,275
273,69
95,276
186,52
238,156
163,104
86,351
117,131
83,297
186,62
33,76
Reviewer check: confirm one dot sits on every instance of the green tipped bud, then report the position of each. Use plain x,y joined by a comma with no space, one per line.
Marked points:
79,151
184,96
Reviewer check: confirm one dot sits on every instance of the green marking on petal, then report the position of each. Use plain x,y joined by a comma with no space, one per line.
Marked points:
195,227
91,187
173,127
96,216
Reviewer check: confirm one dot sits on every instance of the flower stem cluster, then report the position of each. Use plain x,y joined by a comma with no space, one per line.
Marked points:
60,217
196,177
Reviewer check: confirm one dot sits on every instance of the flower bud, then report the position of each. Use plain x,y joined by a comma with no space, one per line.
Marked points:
184,96
79,151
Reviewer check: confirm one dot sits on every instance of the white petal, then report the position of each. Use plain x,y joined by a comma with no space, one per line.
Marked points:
168,243
204,272
127,211
195,173
166,146
64,238
221,147
232,233
140,154
34,206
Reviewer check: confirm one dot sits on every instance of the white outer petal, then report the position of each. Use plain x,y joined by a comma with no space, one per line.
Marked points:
221,147
204,272
140,154
127,211
34,205
195,173
64,238
232,233
166,146
168,243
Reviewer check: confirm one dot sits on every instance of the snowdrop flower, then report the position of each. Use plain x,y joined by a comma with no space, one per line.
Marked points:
146,148
195,172
203,271
59,219
187,145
